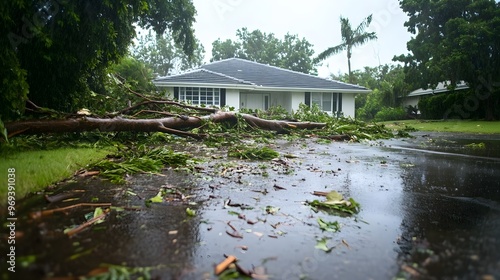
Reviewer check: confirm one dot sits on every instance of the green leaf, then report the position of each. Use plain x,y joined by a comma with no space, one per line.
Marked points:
157,199
328,226
347,206
190,212
334,196
322,245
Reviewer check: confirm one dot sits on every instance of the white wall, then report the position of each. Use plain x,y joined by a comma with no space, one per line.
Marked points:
169,91
296,99
348,105
280,99
233,98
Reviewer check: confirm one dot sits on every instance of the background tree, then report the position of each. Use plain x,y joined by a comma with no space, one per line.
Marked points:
134,72
225,49
455,41
290,53
350,38
164,55
59,50
388,86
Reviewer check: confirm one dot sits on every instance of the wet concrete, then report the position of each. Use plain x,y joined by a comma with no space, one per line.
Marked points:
430,209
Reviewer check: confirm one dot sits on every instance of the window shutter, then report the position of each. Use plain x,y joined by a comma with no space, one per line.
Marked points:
176,93
340,101
307,100
222,97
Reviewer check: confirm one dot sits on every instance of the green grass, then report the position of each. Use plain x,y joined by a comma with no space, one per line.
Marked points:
36,170
464,126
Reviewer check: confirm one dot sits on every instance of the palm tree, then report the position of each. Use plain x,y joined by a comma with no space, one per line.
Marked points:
350,38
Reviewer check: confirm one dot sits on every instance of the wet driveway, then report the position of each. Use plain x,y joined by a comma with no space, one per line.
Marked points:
430,209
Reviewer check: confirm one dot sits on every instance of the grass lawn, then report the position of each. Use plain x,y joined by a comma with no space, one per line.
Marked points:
36,170
465,126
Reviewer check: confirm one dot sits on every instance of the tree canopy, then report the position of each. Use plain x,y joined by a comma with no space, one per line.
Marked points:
455,40
350,38
291,52
387,83
164,56
53,51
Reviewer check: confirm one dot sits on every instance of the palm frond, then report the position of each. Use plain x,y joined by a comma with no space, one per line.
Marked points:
330,51
363,38
345,29
363,25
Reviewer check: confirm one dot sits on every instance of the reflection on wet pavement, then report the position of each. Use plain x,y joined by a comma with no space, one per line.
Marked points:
423,215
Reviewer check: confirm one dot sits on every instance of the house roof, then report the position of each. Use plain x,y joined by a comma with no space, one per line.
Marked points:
241,73
442,87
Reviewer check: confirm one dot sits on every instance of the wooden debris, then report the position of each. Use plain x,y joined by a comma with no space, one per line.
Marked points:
235,233
276,187
39,214
58,197
320,193
87,223
224,264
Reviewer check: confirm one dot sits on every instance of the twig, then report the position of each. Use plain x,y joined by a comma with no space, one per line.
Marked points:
181,133
224,264
320,193
87,223
39,214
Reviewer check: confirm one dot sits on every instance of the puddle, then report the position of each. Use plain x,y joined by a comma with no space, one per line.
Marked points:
428,215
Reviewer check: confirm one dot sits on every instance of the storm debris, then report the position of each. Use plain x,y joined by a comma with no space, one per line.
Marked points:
335,201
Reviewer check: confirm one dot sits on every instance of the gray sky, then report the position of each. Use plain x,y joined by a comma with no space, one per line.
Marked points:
316,20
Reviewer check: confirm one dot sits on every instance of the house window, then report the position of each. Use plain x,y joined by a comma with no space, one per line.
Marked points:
327,101
198,96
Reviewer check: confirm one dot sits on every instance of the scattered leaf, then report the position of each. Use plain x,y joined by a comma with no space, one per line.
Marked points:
157,199
190,212
322,245
328,226
335,201
272,210
334,196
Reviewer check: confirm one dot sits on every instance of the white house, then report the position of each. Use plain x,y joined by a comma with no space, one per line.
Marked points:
240,83
413,97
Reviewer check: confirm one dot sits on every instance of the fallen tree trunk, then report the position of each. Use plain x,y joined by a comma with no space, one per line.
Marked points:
174,125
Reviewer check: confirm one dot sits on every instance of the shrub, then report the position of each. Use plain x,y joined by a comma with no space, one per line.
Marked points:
390,114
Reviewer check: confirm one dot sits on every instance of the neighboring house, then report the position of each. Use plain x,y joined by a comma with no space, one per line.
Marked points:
413,97
241,83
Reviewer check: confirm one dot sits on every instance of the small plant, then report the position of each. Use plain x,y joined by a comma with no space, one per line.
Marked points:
476,146
263,153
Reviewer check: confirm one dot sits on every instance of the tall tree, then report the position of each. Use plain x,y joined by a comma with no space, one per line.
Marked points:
290,53
350,39
455,40
162,54
225,49
57,47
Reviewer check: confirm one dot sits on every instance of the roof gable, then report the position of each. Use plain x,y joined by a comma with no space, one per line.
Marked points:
234,71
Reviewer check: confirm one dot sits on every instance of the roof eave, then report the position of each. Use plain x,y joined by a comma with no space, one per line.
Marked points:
259,88
191,84
299,89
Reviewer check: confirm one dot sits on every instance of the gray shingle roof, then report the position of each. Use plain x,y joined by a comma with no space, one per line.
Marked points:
440,88
236,71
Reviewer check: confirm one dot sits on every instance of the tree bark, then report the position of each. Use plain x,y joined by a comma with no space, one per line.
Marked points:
175,125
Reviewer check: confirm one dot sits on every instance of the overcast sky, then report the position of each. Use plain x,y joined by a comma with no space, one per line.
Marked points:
318,21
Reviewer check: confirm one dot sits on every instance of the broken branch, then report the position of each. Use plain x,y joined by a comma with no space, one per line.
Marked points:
87,223
224,264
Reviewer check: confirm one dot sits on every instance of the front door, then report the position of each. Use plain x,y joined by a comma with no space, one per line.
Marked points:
254,101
